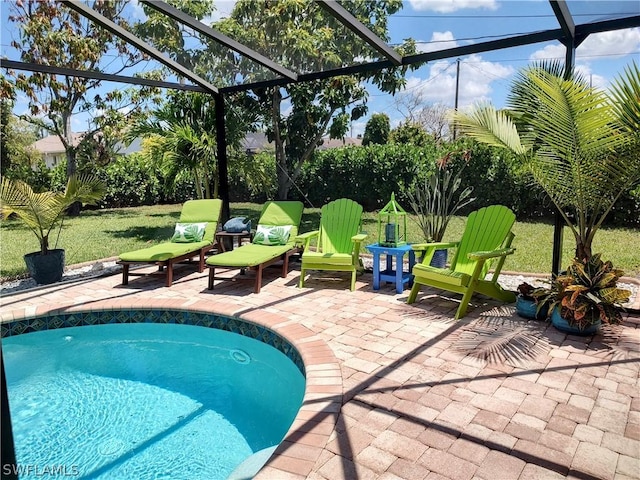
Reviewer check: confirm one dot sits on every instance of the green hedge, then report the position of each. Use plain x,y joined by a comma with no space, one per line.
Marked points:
367,175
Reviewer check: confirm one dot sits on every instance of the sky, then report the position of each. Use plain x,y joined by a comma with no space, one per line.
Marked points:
437,24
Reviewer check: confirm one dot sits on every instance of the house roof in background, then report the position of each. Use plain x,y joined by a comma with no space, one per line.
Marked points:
328,143
255,142
52,143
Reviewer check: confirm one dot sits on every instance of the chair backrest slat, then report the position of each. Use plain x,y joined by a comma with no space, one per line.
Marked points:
486,230
340,220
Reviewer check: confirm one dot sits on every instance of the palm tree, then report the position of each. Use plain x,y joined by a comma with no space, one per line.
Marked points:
182,140
42,212
580,144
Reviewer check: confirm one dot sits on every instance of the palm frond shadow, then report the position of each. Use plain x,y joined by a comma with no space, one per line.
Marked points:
499,339
622,342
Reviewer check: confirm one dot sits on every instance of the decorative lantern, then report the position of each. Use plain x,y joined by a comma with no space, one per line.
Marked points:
392,224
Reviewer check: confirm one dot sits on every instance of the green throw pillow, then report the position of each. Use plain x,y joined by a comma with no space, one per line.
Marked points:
189,232
272,235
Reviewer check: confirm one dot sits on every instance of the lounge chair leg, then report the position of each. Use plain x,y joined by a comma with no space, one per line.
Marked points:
353,280
169,274
301,283
211,275
285,265
258,279
201,261
125,274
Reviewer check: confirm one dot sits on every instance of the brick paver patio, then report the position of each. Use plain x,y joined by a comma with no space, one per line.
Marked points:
399,391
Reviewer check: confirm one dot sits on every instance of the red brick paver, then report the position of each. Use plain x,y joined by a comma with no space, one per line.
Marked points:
399,391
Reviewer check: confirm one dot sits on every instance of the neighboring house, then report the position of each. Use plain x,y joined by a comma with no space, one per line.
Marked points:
328,143
256,142
53,152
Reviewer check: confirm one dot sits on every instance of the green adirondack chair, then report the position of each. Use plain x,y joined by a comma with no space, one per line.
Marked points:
336,245
486,239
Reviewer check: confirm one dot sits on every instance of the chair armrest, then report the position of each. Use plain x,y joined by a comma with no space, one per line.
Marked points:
305,238
492,254
360,237
436,245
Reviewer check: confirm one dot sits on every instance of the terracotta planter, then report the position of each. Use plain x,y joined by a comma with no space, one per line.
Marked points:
527,308
45,269
564,326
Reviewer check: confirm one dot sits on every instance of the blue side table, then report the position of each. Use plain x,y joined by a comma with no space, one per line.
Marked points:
398,276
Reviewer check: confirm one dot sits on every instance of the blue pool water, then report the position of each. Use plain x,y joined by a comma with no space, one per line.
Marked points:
138,401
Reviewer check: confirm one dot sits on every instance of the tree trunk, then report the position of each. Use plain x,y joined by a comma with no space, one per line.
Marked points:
583,251
70,152
281,158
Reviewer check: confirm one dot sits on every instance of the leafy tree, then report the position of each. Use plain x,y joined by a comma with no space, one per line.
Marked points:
299,35
580,144
409,133
181,138
52,34
377,130
413,106
17,137
183,129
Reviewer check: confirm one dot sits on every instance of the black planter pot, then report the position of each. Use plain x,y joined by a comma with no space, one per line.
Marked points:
45,269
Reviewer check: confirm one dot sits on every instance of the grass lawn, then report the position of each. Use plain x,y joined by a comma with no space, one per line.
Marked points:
101,234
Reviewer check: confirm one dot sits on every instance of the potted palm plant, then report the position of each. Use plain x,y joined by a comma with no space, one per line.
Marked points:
41,213
436,200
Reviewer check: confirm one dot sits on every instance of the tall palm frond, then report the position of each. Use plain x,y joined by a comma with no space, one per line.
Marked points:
626,92
575,140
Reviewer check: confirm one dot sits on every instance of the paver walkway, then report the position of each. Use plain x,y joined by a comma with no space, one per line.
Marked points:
401,391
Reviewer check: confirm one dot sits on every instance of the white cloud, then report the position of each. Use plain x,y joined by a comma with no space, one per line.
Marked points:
595,80
554,51
614,43
476,78
448,6
439,41
357,128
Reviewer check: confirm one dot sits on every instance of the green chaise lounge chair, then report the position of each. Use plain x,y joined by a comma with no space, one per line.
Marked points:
183,246
487,238
336,245
274,241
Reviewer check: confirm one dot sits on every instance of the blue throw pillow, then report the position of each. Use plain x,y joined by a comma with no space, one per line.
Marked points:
237,225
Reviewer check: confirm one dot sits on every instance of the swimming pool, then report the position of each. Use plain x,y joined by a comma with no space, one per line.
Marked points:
149,400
